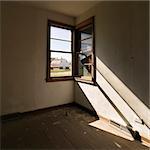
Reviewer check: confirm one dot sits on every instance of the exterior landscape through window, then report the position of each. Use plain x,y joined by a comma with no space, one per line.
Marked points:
59,51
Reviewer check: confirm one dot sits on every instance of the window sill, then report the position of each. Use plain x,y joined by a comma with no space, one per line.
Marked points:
55,79
77,79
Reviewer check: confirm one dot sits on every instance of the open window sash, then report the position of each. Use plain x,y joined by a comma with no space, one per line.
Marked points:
85,52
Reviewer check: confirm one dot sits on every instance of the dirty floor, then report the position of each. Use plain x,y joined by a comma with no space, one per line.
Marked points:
60,128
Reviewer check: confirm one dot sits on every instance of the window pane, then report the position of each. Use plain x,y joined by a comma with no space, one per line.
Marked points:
85,67
85,36
60,33
61,64
86,45
86,33
60,45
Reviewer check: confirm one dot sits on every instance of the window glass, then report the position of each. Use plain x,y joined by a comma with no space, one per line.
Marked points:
86,45
86,33
85,63
57,45
85,67
61,64
59,33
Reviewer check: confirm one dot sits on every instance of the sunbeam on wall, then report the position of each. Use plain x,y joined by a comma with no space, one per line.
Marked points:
118,106
128,96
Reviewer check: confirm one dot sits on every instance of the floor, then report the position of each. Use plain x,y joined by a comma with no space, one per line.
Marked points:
64,127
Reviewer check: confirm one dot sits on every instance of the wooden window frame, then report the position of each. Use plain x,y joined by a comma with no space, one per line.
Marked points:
74,49
62,26
84,24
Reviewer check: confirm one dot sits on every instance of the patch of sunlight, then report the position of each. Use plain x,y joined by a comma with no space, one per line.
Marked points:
118,145
124,103
106,113
105,126
131,99
123,98
123,107
100,103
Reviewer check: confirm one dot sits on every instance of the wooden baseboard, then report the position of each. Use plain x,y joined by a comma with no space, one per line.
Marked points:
19,115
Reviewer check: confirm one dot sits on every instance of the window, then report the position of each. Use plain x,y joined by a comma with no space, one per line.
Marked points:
62,62
85,49
59,53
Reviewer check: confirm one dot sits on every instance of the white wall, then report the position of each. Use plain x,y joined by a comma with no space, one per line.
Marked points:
24,47
122,42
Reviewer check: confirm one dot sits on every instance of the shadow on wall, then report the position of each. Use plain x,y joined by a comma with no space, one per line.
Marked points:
128,96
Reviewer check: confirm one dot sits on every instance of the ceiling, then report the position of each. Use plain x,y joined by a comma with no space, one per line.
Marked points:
71,8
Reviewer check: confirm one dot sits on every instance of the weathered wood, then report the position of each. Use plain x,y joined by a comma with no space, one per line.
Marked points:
61,128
